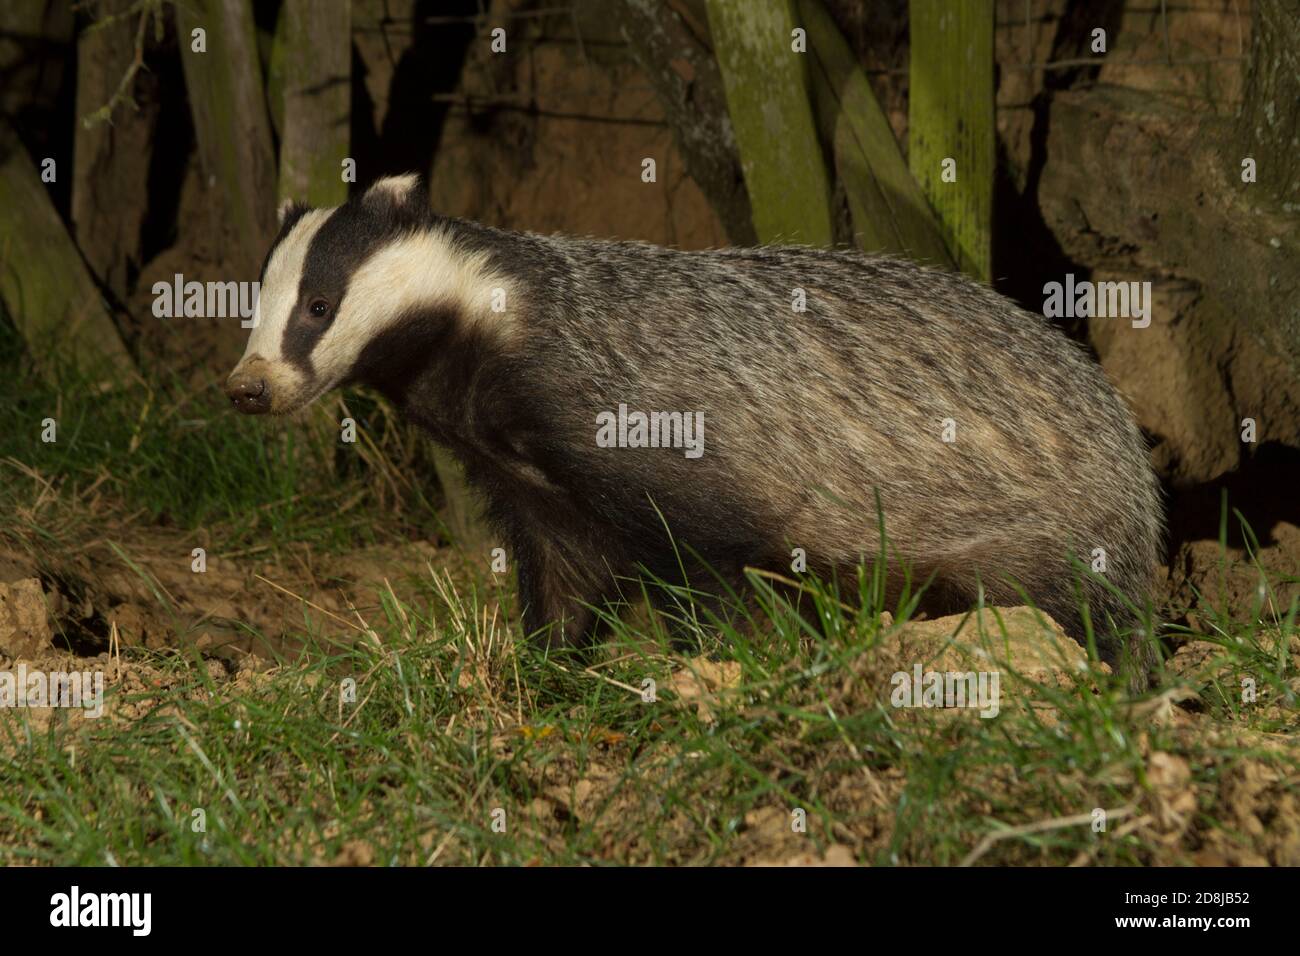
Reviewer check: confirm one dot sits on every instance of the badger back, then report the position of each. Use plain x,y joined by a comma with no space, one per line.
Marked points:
826,377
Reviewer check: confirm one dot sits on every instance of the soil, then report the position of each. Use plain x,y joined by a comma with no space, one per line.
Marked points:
140,590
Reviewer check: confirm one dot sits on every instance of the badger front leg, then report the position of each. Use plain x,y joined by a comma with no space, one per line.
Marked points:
556,592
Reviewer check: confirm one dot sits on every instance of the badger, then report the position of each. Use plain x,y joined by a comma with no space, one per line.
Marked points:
818,389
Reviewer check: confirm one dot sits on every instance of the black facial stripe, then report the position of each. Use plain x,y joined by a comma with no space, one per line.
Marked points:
350,236
393,359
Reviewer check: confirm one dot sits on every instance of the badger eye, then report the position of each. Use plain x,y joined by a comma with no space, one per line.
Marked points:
318,308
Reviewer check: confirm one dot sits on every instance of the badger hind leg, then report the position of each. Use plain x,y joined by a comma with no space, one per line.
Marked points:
1121,632
1118,630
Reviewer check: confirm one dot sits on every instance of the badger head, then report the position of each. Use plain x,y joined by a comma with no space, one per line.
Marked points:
338,279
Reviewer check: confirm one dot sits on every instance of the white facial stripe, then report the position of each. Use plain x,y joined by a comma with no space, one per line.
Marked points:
279,291
419,270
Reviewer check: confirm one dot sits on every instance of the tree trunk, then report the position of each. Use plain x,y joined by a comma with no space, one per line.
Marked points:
1270,116
230,124
951,117
889,211
46,288
767,89
313,60
110,185
688,84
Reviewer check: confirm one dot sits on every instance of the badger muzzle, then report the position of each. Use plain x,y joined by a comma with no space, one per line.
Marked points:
249,393
254,389
259,386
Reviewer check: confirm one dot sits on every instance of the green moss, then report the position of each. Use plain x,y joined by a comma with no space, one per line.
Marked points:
766,84
951,116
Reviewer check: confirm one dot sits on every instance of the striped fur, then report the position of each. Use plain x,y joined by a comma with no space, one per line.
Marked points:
808,415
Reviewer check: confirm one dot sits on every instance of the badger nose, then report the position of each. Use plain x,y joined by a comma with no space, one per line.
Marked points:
249,396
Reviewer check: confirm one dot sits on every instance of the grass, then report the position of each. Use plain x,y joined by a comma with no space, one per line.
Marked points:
172,456
452,722
463,744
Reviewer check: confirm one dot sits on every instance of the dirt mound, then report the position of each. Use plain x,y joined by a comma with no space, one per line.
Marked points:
1202,575
24,625
146,587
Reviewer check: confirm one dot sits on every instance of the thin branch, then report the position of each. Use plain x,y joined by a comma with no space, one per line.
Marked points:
145,8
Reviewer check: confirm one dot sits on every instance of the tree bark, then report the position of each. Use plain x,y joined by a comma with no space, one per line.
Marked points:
110,185
230,124
688,84
44,284
890,213
951,116
1270,115
313,60
768,100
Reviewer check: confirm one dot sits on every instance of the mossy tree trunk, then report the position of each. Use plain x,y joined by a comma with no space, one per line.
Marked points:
767,87
889,211
46,288
952,136
230,124
311,69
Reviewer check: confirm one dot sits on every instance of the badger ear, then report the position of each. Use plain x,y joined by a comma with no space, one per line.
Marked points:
289,209
398,190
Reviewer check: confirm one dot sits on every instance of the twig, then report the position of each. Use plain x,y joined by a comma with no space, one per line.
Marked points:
310,604
1042,826
105,112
